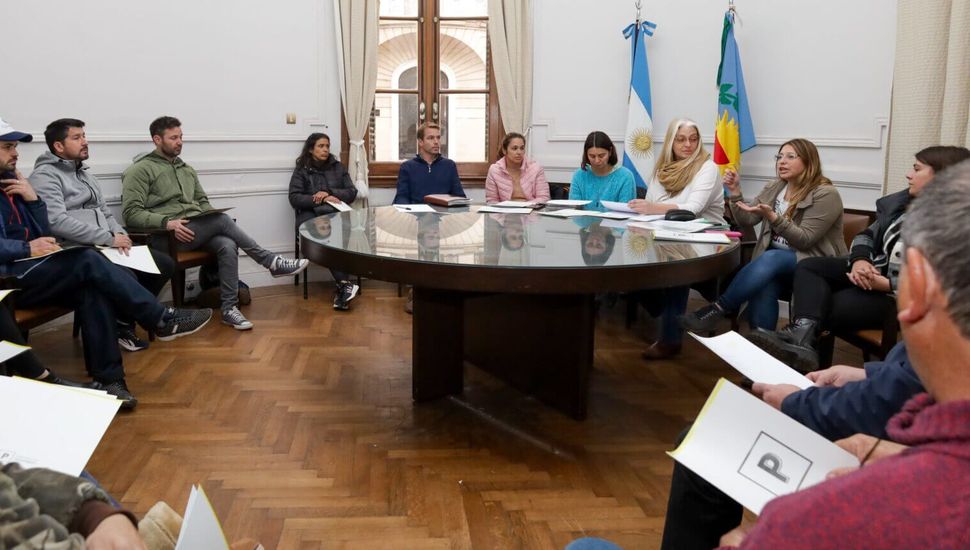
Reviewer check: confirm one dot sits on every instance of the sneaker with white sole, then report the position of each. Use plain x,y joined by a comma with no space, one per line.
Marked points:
181,322
283,267
128,340
346,291
234,318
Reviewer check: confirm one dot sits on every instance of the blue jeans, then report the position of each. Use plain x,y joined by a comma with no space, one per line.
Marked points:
761,283
99,292
670,304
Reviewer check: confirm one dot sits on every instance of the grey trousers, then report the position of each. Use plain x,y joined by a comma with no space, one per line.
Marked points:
219,234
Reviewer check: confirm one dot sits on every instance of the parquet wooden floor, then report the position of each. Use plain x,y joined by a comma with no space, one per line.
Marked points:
303,434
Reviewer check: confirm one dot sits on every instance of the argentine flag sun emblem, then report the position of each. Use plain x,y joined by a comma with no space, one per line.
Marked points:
638,154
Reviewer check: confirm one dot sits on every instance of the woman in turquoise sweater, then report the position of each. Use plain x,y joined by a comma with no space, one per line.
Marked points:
599,178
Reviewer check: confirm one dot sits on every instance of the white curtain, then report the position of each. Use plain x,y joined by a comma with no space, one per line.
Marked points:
931,82
510,35
356,28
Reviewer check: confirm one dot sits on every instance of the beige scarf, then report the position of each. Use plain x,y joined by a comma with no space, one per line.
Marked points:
675,176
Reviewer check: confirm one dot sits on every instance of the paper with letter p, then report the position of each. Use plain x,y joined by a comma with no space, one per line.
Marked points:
753,452
752,361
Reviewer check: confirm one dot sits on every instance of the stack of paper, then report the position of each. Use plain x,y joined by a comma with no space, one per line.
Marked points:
495,210
715,238
564,213
753,452
52,426
516,204
618,207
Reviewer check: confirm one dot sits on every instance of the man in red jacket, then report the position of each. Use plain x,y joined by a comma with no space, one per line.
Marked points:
915,496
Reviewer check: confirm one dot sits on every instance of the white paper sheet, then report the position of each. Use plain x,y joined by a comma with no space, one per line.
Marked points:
647,217
57,427
414,208
608,215
200,525
488,209
683,227
752,361
564,213
515,204
715,238
139,258
753,452
9,350
341,206
618,207
567,202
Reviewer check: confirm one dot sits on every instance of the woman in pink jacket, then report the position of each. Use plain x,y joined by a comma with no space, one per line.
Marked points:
513,176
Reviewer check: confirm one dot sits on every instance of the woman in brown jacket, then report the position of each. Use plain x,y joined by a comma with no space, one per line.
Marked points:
801,215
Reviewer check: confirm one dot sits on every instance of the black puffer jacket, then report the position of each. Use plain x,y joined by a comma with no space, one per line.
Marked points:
332,177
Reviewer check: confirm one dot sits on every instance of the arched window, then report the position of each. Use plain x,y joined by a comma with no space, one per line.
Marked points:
433,65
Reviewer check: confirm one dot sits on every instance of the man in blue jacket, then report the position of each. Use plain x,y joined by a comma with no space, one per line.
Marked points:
428,173
81,279
844,401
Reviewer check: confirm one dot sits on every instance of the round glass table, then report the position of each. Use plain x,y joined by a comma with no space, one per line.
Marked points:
509,293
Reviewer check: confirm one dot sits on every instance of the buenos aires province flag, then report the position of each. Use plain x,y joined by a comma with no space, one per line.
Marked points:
638,154
734,133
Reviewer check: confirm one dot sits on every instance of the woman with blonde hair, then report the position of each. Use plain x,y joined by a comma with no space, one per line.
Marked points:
684,178
801,217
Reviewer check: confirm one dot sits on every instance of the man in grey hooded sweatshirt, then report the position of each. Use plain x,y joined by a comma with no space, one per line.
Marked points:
78,213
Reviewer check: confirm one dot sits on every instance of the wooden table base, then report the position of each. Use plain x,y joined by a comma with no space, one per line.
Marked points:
540,344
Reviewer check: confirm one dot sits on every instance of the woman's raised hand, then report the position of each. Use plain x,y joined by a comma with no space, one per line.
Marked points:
732,182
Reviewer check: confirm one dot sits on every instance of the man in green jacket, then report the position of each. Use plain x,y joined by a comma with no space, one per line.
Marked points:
161,191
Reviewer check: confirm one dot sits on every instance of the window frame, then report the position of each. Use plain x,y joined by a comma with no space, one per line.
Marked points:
472,174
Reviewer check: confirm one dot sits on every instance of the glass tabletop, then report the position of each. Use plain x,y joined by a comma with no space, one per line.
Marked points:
465,237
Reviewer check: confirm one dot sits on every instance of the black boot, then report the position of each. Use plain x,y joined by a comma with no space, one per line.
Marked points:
796,344
704,320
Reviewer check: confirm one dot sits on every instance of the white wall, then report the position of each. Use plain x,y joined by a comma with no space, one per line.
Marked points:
821,70
232,70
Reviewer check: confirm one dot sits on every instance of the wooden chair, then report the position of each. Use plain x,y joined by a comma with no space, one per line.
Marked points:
30,318
165,240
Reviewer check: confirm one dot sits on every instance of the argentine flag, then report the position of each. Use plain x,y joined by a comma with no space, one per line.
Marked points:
638,152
